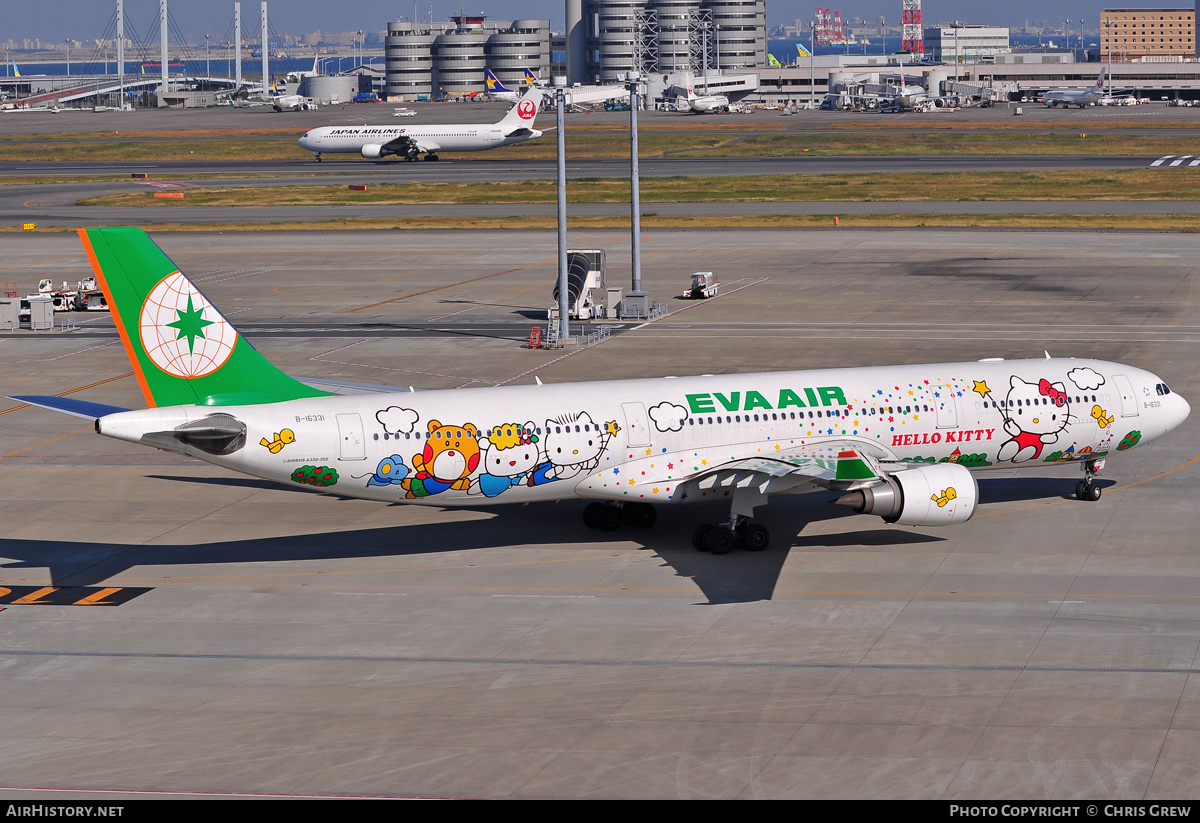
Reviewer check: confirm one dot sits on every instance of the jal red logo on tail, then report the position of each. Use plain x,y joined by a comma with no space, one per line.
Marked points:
526,109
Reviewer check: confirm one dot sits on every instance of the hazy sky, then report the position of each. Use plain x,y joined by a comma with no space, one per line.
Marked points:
87,19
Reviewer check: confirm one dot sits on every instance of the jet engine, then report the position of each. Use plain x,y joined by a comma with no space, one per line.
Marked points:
373,151
935,495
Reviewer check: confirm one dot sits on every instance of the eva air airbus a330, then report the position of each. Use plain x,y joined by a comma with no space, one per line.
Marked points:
895,441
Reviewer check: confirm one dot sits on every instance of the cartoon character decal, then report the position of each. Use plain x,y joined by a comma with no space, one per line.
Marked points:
945,497
1103,418
391,471
574,444
284,437
1030,422
450,457
509,455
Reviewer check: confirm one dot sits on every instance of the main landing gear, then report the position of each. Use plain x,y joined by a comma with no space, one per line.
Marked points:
723,537
432,157
1088,488
609,517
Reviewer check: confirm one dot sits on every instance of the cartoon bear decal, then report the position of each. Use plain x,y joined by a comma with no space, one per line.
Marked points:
450,457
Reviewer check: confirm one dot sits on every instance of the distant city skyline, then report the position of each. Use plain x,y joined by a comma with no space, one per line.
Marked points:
87,20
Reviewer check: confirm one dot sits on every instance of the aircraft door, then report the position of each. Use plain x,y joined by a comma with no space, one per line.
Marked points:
947,411
637,431
1129,402
353,445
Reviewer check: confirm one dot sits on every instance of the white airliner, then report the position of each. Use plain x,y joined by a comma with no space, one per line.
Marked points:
300,75
895,441
410,142
293,102
498,90
707,103
1076,97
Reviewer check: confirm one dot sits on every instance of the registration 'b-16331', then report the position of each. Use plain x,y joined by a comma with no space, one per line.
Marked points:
900,442
410,142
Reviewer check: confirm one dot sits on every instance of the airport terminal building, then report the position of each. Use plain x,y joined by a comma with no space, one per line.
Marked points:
606,39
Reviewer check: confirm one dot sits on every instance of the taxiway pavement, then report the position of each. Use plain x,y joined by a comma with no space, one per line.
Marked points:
272,640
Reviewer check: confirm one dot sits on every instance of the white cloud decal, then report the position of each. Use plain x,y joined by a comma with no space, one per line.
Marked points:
668,417
397,420
1086,378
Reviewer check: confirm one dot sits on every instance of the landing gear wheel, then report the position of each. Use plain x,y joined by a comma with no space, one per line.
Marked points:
432,157
699,535
609,518
318,157
591,515
642,515
756,537
1092,491
1080,490
719,540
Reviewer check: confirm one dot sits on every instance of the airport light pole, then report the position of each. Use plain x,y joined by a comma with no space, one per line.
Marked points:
637,301
68,42
207,69
564,328
812,86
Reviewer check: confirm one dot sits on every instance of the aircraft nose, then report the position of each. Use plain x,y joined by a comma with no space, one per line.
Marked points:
1177,411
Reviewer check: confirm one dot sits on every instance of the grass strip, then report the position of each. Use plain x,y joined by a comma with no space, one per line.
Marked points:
1071,185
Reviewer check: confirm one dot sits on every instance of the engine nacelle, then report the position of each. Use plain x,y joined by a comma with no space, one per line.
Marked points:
939,494
373,151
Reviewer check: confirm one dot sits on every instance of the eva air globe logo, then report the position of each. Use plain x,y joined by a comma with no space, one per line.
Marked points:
181,331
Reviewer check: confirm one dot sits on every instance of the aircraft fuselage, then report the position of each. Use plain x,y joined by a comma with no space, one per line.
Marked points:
649,440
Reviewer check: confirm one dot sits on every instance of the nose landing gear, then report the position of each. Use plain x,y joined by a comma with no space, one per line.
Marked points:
1088,488
317,155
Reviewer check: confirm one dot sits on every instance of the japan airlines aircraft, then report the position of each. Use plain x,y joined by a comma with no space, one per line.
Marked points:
895,441
409,142
1076,97
708,103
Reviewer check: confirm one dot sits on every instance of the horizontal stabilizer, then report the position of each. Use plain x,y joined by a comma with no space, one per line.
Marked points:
70,405
343,388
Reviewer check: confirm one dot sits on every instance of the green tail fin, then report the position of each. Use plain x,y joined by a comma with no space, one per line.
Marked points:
181,348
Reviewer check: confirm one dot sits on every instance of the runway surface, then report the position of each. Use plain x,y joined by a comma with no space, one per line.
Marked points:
269,640
466,169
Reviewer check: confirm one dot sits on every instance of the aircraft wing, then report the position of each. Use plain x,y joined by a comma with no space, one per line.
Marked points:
829,465
422,144
400,145
836,464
